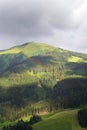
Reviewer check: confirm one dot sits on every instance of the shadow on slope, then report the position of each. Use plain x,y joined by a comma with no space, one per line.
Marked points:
71,92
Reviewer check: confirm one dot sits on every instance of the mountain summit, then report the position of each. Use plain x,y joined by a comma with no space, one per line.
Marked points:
35,55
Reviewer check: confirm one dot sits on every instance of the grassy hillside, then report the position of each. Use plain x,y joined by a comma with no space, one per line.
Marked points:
76,59
29,49
66,120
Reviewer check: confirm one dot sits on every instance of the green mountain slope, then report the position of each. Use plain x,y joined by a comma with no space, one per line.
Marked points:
42,67
38,60
38,77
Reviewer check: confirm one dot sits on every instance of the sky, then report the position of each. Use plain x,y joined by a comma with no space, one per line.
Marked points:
61,23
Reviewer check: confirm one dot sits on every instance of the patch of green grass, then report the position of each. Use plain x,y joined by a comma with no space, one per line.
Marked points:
66,120
36,49
76,59
30,49
58,121
26,118
11,51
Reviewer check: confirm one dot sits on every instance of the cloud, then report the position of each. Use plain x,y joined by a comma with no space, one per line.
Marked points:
62,22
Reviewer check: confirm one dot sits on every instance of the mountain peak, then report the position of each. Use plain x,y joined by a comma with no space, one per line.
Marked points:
27,43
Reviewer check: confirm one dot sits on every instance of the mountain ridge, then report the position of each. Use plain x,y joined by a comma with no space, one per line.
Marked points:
33,54
27,43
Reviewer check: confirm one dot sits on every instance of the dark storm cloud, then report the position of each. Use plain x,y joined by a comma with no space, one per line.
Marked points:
54,21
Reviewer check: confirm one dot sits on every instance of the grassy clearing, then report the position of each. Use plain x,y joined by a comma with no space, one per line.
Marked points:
58,121
76,59
66,120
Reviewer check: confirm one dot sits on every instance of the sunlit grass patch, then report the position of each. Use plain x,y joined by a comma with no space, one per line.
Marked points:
11,51
76,59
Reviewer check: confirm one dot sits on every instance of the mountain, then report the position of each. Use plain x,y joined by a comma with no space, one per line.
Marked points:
37,60
37,77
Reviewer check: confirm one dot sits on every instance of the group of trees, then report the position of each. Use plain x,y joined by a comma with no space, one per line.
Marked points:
82,117
76,68
70,93
21,125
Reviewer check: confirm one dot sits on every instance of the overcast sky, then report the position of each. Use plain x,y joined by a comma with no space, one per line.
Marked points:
61,23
